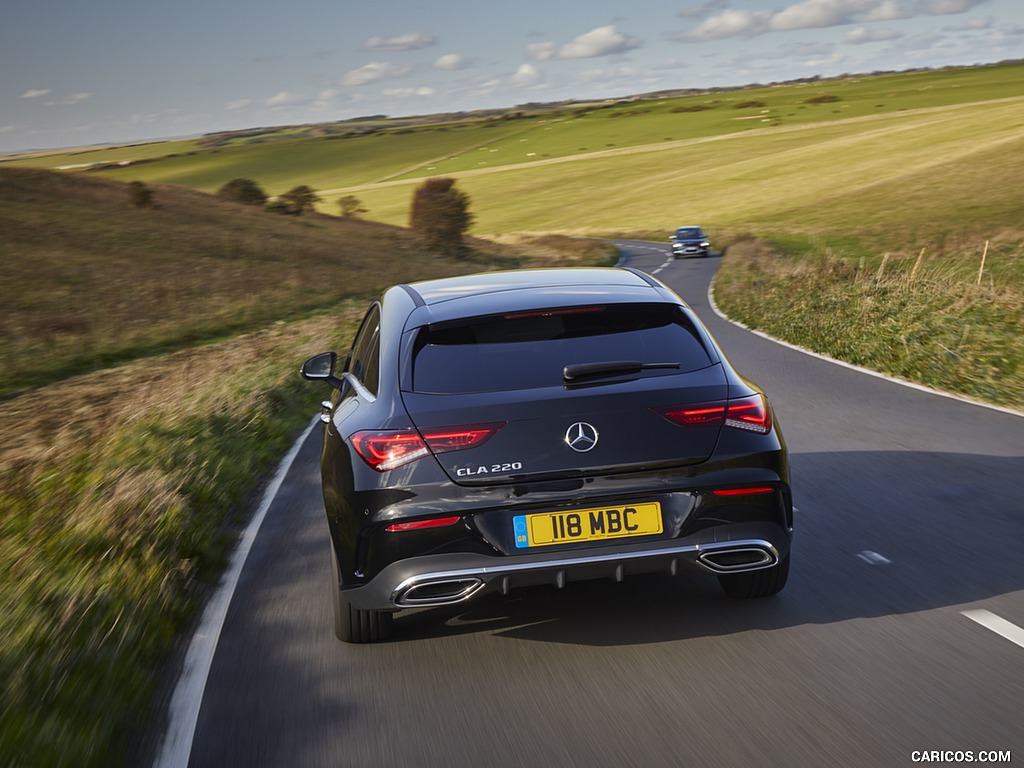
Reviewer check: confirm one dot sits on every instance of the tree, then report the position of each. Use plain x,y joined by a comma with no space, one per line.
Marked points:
243,191
140,196
300,199
440,215
351,206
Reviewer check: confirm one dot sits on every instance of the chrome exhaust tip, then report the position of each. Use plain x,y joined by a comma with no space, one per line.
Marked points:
728,560
438,592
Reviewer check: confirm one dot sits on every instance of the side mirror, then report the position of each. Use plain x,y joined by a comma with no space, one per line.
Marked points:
321,368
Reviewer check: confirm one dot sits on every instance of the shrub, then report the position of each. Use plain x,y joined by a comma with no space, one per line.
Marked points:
243,191
140,196
300,199
351,206
440,215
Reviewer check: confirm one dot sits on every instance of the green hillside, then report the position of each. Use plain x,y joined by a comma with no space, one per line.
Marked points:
87,280
691,142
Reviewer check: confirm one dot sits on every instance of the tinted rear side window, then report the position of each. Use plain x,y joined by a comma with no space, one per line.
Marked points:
531,349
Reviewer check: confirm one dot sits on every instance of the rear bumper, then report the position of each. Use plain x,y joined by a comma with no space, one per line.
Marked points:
433,580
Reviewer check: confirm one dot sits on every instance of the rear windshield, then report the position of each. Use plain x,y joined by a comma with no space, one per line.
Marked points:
531,349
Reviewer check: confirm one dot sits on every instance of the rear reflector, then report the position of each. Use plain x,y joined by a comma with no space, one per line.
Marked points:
415,525
741,491
387,449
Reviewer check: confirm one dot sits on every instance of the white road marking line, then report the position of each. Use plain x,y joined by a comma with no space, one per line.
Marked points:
873,558
997,624
176,746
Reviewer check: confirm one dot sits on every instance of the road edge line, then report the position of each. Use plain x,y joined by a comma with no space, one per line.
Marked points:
183,711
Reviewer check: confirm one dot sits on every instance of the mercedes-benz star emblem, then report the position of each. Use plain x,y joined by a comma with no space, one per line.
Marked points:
581,437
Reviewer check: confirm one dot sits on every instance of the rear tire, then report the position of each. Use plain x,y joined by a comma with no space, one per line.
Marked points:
761,583
355,625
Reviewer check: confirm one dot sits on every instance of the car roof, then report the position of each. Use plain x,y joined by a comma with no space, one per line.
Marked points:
494,292
485,283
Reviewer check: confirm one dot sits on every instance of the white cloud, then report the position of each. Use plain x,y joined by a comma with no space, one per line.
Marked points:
325,98
239,103
77,98
405,93
526,75
983,22
926,41
816,14
861,35
602,41
950,7
374,71
729,23
541,51
700,10
412,41
887,10
35,93
452,62
284,99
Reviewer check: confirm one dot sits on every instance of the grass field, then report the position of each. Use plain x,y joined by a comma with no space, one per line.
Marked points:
148,356
331,163
884,175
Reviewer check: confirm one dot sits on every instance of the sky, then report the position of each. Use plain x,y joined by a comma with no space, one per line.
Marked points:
76,73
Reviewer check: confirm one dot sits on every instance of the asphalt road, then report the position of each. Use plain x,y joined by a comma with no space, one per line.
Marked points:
910,512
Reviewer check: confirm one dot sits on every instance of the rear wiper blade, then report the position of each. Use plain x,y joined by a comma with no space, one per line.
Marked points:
583,371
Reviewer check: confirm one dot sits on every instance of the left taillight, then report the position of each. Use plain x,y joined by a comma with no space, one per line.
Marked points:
388,449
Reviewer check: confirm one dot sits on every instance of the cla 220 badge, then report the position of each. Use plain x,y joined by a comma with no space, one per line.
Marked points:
494,469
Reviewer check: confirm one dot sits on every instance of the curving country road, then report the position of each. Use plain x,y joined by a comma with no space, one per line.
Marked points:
894,636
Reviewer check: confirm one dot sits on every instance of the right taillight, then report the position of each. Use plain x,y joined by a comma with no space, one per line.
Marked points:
749,413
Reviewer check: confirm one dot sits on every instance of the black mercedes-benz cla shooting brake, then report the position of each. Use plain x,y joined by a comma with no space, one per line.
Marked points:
532,427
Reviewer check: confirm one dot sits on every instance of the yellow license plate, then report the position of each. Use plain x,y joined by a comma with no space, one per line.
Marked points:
545,528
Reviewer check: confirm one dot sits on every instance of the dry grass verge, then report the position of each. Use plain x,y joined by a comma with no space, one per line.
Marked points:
928,319
117,508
